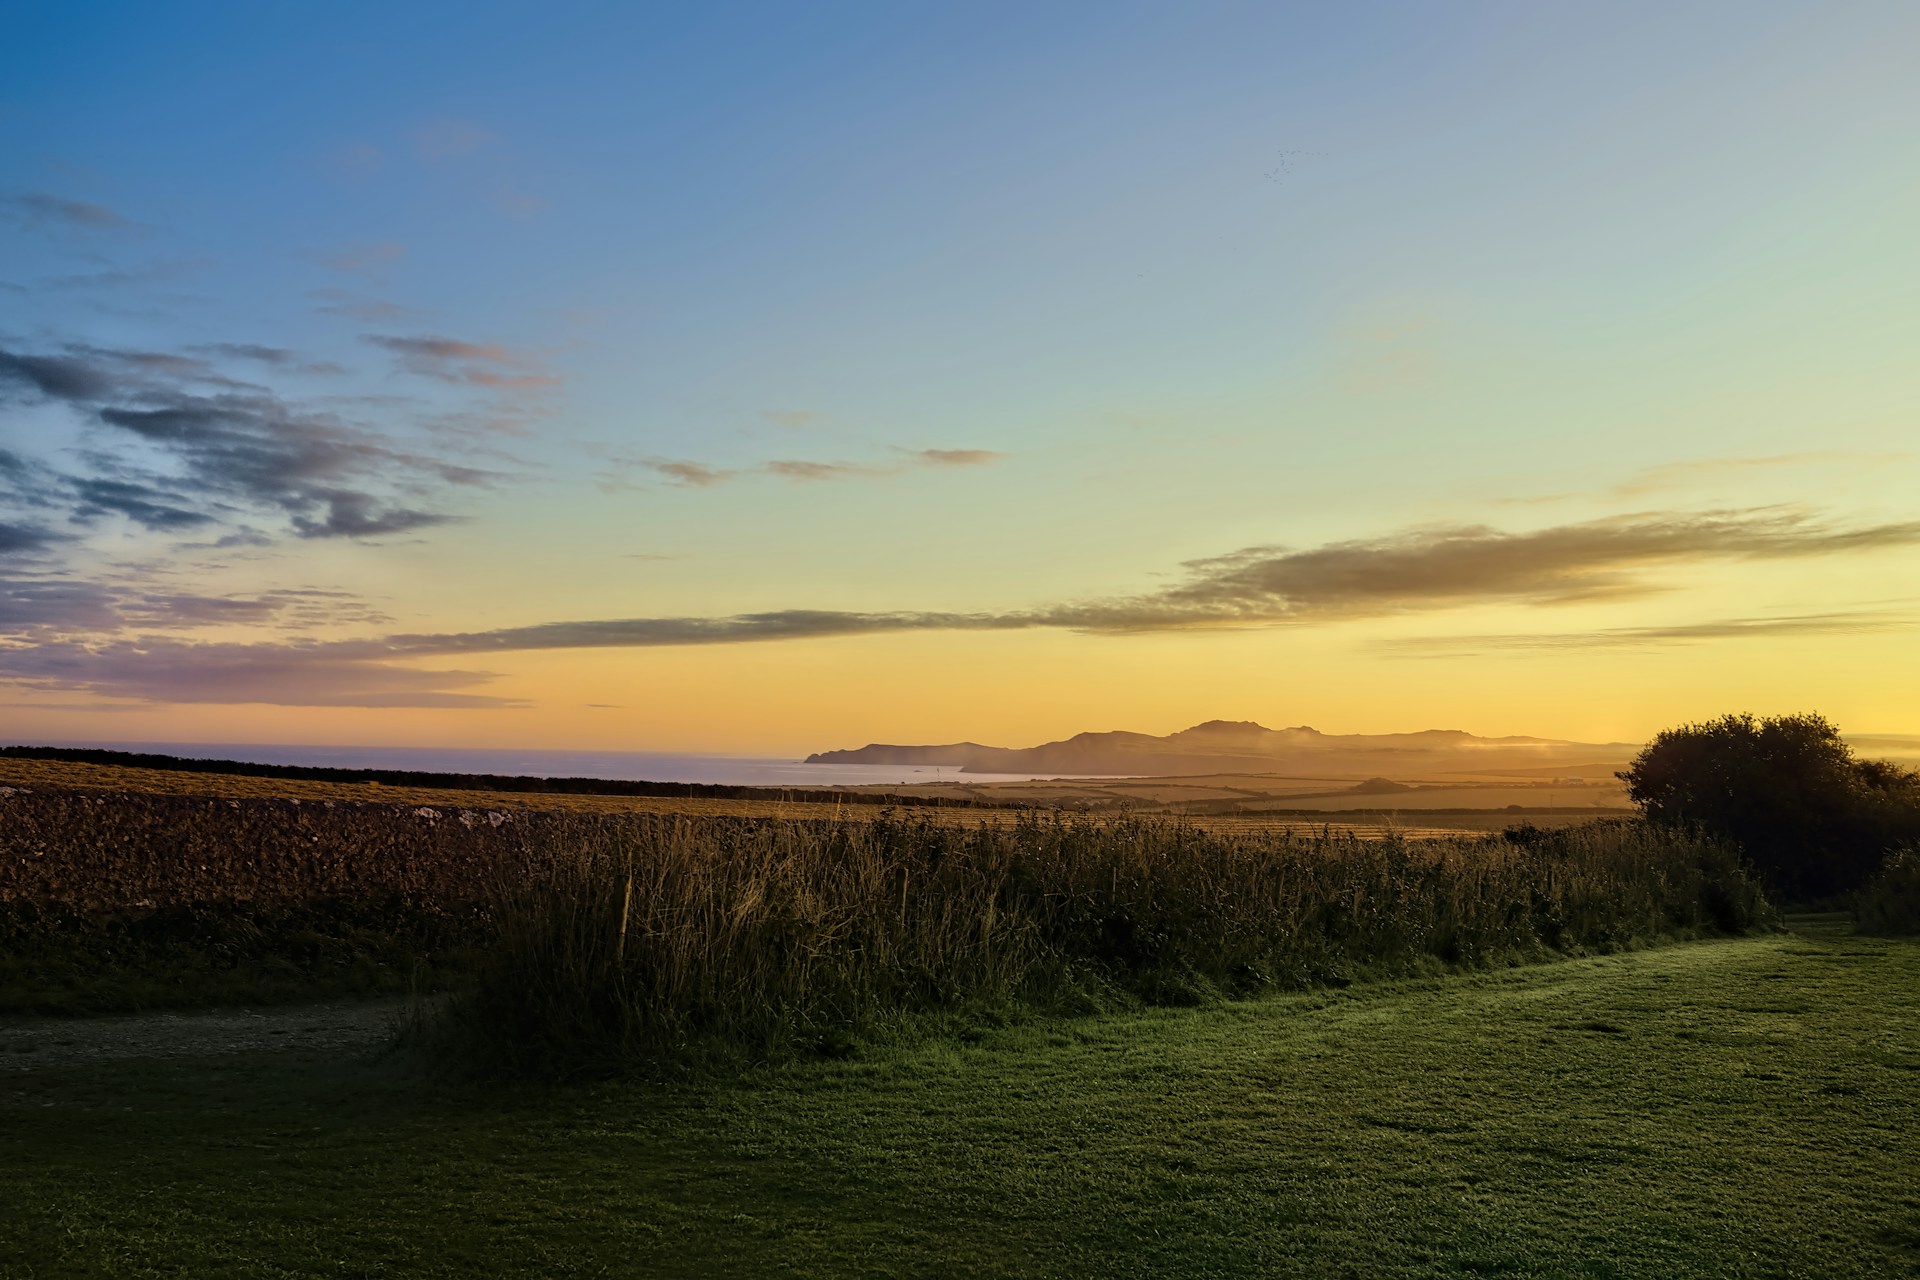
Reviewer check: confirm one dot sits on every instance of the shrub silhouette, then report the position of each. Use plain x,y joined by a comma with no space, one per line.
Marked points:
1891,901
1813,820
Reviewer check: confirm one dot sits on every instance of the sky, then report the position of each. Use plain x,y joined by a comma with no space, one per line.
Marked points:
764,379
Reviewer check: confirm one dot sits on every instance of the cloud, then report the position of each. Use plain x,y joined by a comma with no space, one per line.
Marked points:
430,355
516,203
254,449
140,503
1839,623
55,609
691,473
363,259
27,484
355,159
790,417
955,457
56,377
40,209
699,475
482,364
31,604
338,302
187,609
131,370
273,357
295,608
449,138
800,469
646,633
1422,569
1418,570
1675,475
1431,567
239,444
347,514
17,538
123,277
279,357
1694,473
289,675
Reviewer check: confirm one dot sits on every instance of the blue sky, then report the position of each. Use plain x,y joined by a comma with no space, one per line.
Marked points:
566,315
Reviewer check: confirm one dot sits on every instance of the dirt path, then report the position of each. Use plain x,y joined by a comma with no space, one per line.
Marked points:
37,1044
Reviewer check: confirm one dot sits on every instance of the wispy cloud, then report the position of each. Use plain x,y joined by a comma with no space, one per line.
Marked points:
20,537
692,474
955,457
1707,474
55,377
1259,586
1424,569
144,504
1804,624
363,259
233,444
699,475
53,608
37,208
790,417
481,364
450,138
803,469
1694,471
339,302
119,278
354,160
287,675
281,358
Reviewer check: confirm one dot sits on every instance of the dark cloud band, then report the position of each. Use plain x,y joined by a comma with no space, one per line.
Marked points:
1419,570
233,445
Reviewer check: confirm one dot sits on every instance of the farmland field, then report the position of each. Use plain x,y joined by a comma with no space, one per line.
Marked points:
1740,1108
646,925
998,803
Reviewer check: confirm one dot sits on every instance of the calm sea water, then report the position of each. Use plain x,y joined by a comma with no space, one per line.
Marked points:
640,766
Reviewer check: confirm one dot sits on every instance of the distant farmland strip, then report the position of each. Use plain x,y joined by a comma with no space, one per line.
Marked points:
40,774
488,782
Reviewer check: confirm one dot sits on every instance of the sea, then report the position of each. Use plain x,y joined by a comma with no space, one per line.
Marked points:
629,766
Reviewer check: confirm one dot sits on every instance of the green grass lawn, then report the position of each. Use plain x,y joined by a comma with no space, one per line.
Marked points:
1739,1108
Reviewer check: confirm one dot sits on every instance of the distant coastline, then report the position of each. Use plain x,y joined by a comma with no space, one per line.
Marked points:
678,771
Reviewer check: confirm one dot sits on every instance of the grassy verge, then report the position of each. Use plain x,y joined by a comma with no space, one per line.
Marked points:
58,960
1729,1109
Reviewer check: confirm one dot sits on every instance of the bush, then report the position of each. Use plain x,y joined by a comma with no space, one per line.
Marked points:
1814,821
1891,901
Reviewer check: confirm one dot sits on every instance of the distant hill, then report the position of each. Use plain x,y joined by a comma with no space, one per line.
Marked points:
1241,746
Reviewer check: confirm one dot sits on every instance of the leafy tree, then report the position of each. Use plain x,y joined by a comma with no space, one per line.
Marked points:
1812,819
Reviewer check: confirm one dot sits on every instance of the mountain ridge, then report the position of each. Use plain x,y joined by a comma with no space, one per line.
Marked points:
1240,746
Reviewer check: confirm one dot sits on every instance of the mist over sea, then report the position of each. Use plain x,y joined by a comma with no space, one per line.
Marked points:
626,766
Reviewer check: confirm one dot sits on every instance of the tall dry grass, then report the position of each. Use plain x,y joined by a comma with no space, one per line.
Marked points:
646,943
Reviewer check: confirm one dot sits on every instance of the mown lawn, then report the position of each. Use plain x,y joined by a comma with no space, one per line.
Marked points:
1739,1108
